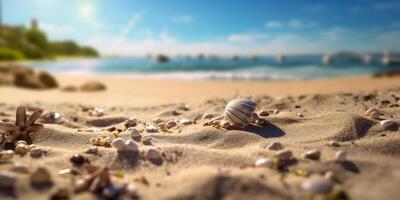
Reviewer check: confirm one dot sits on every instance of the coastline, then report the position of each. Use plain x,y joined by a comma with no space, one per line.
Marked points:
124,90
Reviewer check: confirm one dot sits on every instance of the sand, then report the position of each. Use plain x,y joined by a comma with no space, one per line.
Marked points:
216,163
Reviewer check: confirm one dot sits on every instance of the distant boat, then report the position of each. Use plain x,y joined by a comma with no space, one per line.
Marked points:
327,59
366,59
389,60
280,58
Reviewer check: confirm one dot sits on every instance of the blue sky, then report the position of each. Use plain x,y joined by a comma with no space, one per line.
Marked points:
138,27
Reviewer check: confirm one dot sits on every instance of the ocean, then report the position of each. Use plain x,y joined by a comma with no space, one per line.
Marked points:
224,68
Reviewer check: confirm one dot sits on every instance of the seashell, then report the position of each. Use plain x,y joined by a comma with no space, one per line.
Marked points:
36,152
389,122
317,185
239,111
151,129
170,124
224,124
299,114
275,146
284,155
334,143
52,117
263,162
371,110
276,111
21,149
341,155
375,115
131,145
119,144
186,121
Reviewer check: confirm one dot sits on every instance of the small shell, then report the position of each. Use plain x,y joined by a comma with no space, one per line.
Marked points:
341,156
119,144
263,162
371,110
239,111
186,121
389,122
313,154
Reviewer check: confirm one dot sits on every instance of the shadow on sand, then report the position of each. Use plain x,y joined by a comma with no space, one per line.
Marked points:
268,130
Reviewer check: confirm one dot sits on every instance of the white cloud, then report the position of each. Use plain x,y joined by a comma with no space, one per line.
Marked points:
273,24
247,37
334,34
182,19
131,23
296,23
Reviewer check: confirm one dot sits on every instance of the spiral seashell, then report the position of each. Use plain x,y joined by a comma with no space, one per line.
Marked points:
239,111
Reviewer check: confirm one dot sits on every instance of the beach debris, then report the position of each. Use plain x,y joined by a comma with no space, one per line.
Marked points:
36,152
97,182
334,143
264,162
41,176
60,193
207,116
119,144
6,155
130,123
124,146
284,155
157,120
170,124
224,124
135,134
275,146
96,112
78,160
24,127
264,113
299,114
93,86
153,155
92,150
317,185
101,141
51,117
7,180
22,148
19,168
151,128
186,121
313,154
260,122
238,112
389,122
341,156
373,112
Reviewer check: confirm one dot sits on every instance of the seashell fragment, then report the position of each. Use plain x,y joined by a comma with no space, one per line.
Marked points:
389,122
21,149
313,154
240,111
275,146
371,110
317,185
263,162
341,155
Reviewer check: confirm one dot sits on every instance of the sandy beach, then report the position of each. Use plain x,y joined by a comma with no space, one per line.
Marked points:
206,162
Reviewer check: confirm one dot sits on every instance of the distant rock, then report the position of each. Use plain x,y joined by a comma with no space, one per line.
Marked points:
93,86
25,77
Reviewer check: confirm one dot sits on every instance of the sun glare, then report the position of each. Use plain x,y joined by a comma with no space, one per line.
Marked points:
86,10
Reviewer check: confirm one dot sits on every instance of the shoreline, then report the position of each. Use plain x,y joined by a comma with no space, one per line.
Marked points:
123,90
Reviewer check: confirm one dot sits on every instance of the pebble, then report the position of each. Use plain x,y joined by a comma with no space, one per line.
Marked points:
170,124
284,155
157,120
261,122
77,160
135,134
21,149
92,150
334,143
151,129
186,121
132,191
19,168
119,144
264,113
263,162
375,115
130,123
40,177
224,124
389,122
313,154
275,146
60,194
153,154
207,116
131,145
6,155
299,114
36,152
317,185
275,112
52,117
341,155
7,180
96,112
